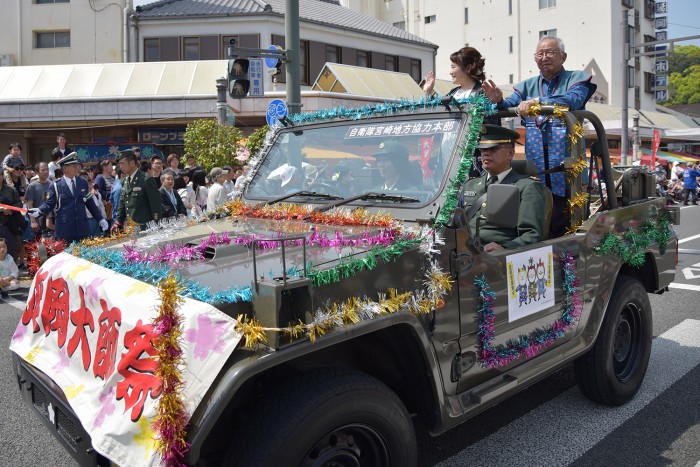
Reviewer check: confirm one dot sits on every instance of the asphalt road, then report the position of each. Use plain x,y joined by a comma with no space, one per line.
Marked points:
548,424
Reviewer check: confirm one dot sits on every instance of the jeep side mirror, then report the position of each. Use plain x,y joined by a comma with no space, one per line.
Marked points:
503,205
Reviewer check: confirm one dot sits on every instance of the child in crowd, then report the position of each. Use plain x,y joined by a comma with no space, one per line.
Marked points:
8,271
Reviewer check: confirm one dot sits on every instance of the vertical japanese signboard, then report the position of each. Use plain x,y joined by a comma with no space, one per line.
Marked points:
661,66
255,74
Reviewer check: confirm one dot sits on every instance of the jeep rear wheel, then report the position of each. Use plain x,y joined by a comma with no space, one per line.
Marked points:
613,370
329,417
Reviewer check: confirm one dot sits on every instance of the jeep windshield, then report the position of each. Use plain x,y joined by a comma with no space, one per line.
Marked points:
397,160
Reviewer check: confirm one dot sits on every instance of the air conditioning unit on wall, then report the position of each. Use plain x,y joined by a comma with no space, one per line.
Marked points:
7,60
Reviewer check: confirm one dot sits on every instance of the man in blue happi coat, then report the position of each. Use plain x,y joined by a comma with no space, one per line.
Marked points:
546,142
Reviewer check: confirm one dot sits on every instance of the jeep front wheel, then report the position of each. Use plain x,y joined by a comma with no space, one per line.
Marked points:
328,417
613,370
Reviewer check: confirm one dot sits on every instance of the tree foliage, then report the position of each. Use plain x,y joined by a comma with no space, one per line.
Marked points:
684,75
212,144
257,139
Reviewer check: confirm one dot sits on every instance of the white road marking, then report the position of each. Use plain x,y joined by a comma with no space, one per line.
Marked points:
548,430
688,239
676,285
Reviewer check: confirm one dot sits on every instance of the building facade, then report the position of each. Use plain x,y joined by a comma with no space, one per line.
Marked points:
506,33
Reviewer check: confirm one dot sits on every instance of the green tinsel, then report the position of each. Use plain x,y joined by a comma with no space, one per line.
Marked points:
631,245
348,268
480,106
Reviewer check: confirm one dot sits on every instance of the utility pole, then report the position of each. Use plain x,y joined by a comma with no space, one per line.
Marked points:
291,32
624,136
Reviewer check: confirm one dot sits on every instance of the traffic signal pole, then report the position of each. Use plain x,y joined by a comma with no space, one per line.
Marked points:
291,32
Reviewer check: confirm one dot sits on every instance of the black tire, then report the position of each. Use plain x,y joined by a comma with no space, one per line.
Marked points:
329,417
613,370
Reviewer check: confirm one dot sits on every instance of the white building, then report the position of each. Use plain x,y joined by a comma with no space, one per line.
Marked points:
506,33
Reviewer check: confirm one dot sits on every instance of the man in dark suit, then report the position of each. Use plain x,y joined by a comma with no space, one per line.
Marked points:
70,196
497,150
172,203
140,199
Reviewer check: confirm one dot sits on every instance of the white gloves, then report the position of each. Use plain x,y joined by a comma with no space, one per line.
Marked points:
34,212
103,225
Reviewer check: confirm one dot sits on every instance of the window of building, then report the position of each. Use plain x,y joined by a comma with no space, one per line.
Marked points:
400,25
44,2
548,32
547,4
649,7
190,48
510,78
52,40
151,50
466,16
391,62
510,44
430,19
648,38
510,7
332,53
415,70
649,83
364,59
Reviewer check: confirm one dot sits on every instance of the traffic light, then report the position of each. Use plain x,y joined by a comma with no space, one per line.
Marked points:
238,80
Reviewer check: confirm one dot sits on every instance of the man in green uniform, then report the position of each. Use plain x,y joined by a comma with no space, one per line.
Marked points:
140,199
497,150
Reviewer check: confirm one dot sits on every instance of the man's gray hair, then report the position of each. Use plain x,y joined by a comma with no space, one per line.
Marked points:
560,43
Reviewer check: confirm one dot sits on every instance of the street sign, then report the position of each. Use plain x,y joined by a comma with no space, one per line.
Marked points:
275,110
272,62
660,8
661,81
661,35
660,23
661,95
255,75
662,66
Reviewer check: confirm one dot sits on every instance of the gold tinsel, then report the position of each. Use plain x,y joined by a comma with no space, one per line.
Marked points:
577,132
129,228
578,201
560,110
574,227
577,168
354,310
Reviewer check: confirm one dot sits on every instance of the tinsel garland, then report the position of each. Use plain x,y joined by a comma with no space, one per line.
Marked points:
348,268
578,201
289,211
170,421
354,310
630,245
154,273
41,250
130,228
491,356
480,106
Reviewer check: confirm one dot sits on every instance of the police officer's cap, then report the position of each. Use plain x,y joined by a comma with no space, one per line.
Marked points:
493,135
391,148
70,159
126,153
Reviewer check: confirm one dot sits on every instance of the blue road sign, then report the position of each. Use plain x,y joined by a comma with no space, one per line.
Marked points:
275,110
272,62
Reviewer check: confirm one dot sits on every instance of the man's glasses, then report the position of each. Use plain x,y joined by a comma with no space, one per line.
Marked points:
546,53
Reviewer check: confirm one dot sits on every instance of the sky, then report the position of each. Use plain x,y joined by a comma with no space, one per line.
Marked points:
682,17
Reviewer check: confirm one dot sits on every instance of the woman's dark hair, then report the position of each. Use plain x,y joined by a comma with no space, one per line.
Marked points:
198,178
180,183
470,60
15,145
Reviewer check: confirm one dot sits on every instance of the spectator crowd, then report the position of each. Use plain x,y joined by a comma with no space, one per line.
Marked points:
68,200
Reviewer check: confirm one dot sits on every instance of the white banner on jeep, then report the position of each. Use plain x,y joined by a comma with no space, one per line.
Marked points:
90,330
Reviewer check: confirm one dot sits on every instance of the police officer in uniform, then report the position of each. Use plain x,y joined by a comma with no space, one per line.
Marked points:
70,196
497,146
140,199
